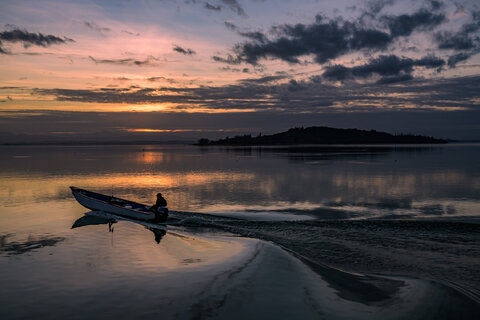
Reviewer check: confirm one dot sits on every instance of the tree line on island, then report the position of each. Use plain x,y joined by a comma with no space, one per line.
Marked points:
322,135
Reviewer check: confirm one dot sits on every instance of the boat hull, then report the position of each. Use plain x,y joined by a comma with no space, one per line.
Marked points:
100,202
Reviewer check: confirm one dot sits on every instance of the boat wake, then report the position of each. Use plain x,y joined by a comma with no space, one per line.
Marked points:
301,264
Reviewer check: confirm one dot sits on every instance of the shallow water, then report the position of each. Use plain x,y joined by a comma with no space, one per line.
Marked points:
317,203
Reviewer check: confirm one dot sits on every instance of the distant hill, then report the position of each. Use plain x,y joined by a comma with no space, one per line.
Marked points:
322,135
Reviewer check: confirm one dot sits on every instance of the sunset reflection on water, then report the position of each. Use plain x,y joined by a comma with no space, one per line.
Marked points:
441,181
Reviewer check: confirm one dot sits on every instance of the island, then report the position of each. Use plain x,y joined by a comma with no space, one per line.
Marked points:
322,135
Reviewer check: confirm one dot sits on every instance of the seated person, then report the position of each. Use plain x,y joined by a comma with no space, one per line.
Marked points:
159,208
161,202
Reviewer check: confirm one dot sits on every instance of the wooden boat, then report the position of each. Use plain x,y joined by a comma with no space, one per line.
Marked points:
121,207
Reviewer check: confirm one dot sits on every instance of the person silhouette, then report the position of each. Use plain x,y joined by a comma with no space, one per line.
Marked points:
160,208
161,202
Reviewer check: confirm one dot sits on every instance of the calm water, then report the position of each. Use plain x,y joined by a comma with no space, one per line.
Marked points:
441,181
49,269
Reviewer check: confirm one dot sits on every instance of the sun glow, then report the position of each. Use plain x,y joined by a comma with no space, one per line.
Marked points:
178,130
163,130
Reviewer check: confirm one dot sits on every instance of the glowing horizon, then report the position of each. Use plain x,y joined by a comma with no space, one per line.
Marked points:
186,58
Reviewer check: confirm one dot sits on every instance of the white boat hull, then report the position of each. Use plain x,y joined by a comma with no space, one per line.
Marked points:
125,210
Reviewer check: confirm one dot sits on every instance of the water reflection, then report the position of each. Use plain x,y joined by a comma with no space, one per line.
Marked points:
159,234
88,220
349,182
33,243
93,218
309,153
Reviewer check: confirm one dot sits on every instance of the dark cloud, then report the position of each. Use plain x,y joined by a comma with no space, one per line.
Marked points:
184,51
230,26
229,59
95,27
234,6
2,51
462,124
327,39
404,25
458,57
337,72
373,8
435,5
128,61
212,7
310,96
455,41
254,35
395,79
390,65
369,39
228,68
107,95
10,88
131,33
29,39
464,43
155,79
266,79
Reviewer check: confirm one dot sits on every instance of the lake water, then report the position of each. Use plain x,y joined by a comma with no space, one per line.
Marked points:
244,222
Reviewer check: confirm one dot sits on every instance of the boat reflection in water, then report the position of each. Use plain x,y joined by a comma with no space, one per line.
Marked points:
93,218
89,220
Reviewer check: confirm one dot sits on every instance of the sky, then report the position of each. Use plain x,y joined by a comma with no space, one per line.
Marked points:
182,70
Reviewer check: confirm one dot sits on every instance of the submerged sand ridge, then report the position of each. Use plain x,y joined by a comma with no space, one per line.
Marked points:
273,284
209,273
443,251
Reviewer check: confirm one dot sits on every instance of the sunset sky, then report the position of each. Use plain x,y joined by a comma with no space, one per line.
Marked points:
182,70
